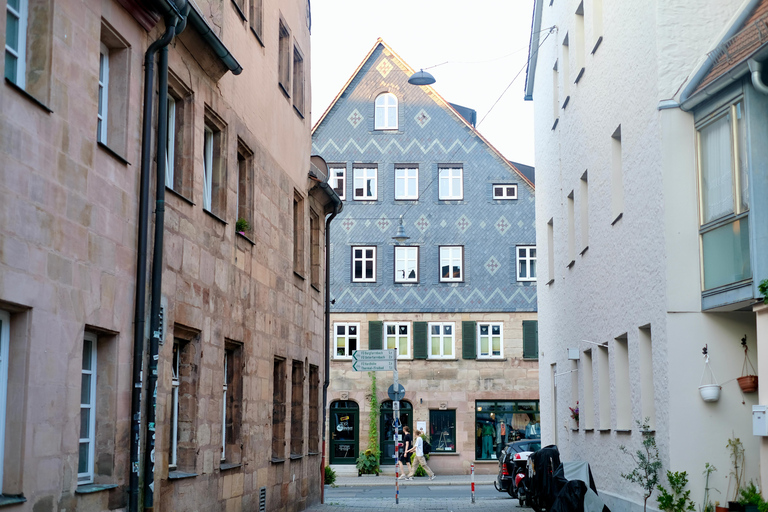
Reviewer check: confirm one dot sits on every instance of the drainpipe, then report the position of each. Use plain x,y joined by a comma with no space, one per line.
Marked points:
141,266
755,69
337,206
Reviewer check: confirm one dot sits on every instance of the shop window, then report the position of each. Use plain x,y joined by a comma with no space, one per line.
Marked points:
387,429
442,430
498,423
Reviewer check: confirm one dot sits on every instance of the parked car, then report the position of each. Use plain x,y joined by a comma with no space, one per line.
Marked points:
512,461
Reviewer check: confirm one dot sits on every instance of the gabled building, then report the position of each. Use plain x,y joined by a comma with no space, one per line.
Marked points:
457,299
181,373
651,214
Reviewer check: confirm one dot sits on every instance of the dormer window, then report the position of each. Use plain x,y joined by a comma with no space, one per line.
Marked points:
386,111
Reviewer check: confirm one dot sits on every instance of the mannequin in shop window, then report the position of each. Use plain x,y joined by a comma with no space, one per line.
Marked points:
488,433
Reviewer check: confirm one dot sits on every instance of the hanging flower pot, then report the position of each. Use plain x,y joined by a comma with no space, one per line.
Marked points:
747,381
709,389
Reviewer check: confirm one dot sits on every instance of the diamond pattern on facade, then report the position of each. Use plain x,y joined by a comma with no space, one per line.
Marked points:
383,223
520,224
355,118
421,224
463,223
443,223
347,224
502,225
492,265
384,67
422,118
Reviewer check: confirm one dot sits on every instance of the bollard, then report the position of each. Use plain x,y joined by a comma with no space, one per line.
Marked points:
473,482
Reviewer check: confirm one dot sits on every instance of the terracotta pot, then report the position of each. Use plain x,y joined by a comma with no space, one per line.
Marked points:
721,509
748,383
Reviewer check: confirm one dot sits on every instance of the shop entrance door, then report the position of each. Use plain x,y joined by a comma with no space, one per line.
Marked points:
387,429
344,432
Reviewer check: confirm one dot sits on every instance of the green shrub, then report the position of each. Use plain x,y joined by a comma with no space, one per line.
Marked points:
750,495
679,500
330,475
368,463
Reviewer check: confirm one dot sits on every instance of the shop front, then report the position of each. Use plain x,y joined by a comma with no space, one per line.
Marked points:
344,423
387,429
499,422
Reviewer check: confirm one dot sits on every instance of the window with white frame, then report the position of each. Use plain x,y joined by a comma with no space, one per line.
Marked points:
345,339
5,320
16,41
364,264
339,180
451,183
101,114
505,191
365,183
724,197
451,263
173,455
386,112
87,411
406,182
397,335
526,263
489,340
406,264
441,340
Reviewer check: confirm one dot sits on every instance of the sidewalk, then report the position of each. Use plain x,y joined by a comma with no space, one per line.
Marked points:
389,480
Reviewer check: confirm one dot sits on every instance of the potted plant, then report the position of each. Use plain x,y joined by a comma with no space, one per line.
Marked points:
368,463
747,381
575,413
241,226
736,449
752,500
709,389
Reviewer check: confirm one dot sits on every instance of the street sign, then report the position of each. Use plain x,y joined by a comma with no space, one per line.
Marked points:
396,406
399,395
373,355
374,366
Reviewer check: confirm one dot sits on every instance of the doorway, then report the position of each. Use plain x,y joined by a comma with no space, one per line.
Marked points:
344,429
387,429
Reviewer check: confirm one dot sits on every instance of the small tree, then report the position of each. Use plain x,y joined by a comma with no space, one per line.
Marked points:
736,449
647,463
679,500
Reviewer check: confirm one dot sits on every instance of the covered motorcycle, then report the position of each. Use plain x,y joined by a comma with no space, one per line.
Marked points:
576,489
540,489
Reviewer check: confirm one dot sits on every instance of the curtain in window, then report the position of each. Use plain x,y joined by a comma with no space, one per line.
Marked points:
716,170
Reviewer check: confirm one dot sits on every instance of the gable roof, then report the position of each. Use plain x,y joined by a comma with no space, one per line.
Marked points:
431,92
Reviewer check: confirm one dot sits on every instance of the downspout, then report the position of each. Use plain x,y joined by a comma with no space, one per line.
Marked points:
337,206
755,69
141,268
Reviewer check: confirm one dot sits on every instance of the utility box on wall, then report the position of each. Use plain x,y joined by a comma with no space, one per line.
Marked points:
760,420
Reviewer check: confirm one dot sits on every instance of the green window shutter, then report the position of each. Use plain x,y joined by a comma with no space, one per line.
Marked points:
469,340
420,336
375,331
530,339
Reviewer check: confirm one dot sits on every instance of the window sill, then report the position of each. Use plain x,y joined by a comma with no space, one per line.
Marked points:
276,460
589,430
530,359
178,475
258,38
284,89
11,500
91,488
623,431
441,359
557,120
597,44
574,429
33,100
225,467
584,250
603,430
215,216
371,200
312,454
113,153
617,219
239,11
578,77
551,281
565,103
177,194
296,456
299,275
298,112
491,359
571,264
245,237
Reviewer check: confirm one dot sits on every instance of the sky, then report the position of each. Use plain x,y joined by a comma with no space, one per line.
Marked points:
484,42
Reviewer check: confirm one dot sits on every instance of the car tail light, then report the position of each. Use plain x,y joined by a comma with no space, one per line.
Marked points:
504,471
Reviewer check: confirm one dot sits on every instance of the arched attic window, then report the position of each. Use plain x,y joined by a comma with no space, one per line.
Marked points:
386,111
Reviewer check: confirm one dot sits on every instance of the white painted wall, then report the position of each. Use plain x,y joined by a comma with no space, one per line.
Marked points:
644,269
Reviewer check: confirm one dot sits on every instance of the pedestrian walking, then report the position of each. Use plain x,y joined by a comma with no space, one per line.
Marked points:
404,455
418,448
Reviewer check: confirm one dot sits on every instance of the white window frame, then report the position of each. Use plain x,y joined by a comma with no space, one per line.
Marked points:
224,412
442,337
5,340
398,338
386,106
173,455
363,259
170,149
489,354
207,167
529,257
451,187
405,176
87,476
448,255
103,97
361,176
344,339
508,191
339,177
19,55
404,255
